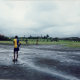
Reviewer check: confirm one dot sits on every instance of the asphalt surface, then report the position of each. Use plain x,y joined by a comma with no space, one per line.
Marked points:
40,62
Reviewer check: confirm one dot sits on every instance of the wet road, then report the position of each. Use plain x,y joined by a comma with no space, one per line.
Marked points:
40,62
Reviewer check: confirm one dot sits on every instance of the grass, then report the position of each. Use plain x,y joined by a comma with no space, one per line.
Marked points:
67,43
6,42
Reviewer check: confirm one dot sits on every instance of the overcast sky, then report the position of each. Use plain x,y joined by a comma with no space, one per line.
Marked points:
36,18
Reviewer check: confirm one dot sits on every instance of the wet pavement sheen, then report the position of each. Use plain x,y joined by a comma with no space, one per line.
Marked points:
40,62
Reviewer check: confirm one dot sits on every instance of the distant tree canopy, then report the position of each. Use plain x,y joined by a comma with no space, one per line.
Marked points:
4,38
47,35
74,39
51,38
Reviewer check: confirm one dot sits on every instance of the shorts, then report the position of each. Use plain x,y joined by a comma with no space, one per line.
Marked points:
16,49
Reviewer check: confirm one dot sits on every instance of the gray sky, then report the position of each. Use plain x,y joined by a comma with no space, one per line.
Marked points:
36,18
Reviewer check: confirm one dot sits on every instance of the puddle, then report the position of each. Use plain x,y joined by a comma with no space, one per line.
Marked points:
41,62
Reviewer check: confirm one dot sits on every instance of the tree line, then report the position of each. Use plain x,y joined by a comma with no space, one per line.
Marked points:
74,39
5,38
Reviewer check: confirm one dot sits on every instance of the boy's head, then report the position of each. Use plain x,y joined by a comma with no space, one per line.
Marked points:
16,36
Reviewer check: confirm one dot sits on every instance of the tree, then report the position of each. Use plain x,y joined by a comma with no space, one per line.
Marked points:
47,35
56,39
30,37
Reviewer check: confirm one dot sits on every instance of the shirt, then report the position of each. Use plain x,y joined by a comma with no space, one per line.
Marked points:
16,42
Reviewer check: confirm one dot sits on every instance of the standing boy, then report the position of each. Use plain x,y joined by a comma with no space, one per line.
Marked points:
37,42
17,43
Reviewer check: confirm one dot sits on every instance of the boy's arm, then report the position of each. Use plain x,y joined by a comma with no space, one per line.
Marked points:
19,43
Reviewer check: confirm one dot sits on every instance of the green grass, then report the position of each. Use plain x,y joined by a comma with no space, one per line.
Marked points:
6,42
67,43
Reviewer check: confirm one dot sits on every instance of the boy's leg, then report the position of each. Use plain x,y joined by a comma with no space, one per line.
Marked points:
16,55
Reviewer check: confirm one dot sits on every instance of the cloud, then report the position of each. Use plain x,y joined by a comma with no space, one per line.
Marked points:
56,18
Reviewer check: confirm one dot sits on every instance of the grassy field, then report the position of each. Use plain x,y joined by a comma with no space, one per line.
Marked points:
67,43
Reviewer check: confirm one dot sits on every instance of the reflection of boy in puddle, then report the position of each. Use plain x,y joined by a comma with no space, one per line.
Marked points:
17,43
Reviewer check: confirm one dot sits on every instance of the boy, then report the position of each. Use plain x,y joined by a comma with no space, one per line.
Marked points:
17,43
